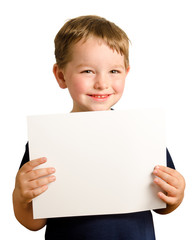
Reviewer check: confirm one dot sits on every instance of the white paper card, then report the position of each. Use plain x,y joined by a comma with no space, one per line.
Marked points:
104,161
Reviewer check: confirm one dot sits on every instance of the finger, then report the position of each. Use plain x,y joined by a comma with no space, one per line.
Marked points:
171,191
167,170
168,200
38,173
30,195
41,182
170,179
32,164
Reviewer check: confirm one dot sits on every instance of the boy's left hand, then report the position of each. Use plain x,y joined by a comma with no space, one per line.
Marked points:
173,184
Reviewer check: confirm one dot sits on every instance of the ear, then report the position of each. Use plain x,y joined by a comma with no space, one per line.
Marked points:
59,75
127,71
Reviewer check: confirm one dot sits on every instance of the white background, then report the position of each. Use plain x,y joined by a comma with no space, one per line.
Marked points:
160,76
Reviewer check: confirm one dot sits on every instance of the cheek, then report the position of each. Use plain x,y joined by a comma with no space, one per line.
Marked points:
119,86
79,86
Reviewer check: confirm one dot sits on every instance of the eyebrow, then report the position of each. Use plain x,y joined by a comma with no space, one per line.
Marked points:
118,66
112,66
82,65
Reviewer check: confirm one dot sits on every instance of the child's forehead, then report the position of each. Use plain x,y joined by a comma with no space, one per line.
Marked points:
92,42
95,52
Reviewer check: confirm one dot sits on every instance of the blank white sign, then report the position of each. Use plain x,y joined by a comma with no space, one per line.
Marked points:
104,161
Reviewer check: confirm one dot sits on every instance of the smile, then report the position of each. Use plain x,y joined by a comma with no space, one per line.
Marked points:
99,97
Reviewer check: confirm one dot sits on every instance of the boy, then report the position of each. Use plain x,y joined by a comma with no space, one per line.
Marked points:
92,62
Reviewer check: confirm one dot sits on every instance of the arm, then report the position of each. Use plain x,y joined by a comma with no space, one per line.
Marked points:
173,184
29,184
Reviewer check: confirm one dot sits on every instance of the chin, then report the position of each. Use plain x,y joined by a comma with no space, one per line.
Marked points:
100,109
92,107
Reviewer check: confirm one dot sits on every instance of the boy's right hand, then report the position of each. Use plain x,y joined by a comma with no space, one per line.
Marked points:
31,183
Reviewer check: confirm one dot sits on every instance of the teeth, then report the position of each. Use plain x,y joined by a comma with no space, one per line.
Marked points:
100,96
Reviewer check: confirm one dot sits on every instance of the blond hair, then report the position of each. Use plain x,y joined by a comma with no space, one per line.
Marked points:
83,27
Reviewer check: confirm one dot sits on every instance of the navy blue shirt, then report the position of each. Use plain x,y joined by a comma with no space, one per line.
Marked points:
132,226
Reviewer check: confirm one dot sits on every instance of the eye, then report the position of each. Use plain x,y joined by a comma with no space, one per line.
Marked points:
87,71
115,71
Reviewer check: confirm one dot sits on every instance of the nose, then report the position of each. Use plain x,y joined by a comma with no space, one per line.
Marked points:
101,82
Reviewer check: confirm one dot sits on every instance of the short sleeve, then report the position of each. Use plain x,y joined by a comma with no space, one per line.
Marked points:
25,156
170,163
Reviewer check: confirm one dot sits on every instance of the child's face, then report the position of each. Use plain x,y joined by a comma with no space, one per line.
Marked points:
95,77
